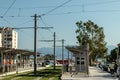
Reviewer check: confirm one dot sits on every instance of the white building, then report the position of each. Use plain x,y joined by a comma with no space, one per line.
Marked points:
9,37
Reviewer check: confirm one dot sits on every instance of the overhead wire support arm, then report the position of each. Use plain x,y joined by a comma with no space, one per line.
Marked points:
56,8
32,28
46,40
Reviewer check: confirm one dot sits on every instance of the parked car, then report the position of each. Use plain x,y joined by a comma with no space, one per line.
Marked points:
105,67
118,71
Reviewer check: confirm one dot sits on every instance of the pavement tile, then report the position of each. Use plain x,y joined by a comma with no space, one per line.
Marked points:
95,74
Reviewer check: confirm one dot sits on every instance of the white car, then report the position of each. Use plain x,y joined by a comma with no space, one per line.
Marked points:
118,71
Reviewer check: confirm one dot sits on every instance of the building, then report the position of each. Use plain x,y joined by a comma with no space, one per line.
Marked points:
9,38
81,55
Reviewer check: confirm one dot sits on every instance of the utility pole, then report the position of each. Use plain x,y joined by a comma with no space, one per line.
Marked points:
68,58
35,52
35,42
35,39
63,51
54,50
54,41
63,55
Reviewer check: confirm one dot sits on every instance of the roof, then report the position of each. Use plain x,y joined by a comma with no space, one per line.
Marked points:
15,51
77,49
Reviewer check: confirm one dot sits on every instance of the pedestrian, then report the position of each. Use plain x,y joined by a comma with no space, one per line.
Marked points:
115,69
111,68
67,65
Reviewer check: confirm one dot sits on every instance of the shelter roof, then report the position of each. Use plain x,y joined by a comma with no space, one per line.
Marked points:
15,51
77,49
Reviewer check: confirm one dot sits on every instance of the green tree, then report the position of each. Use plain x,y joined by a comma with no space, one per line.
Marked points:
89,32
113,54
49,57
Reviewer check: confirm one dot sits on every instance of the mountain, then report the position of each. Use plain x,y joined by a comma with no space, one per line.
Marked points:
49,50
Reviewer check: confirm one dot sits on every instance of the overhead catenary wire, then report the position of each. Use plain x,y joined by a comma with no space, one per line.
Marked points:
56,8
43,21
81,5
9,8
87,4
52,32
84,11
42,14
74,12
46,24
25,22
8,22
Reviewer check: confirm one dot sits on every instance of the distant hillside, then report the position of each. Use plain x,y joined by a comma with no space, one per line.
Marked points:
49,50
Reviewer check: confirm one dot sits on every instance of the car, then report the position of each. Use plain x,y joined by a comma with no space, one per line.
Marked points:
105,67
118,71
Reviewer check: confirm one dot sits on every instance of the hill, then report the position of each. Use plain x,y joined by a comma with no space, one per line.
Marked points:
49,50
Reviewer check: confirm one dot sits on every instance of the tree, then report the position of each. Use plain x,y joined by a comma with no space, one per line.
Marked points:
49,57
113,54
89,32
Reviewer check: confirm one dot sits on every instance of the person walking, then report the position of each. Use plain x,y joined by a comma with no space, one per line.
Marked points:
111,68
115,69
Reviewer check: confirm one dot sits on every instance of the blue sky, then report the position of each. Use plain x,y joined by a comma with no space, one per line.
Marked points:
105,13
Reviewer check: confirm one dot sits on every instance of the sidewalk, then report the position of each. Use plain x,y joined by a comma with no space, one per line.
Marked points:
95,74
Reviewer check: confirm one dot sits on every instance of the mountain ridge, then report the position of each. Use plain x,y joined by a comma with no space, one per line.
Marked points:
49,50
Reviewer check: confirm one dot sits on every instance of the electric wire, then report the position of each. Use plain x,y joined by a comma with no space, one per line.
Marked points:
9,8
43,21
24,22
8,22
99,3
63,5
56,8
71,12
49,29
88,4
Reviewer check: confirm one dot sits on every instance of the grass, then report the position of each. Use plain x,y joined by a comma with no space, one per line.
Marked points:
46,74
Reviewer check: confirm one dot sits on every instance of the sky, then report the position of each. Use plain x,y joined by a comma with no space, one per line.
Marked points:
62,16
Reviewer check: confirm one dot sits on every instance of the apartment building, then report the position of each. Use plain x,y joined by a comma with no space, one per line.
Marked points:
9,38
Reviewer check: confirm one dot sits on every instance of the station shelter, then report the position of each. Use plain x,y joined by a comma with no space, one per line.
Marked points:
81,59
11,59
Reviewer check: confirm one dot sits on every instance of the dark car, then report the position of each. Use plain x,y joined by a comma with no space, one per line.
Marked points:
105,67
